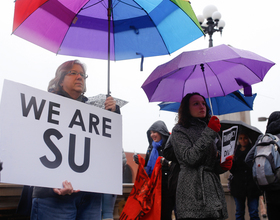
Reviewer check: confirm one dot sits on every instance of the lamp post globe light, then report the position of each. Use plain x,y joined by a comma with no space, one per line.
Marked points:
211,22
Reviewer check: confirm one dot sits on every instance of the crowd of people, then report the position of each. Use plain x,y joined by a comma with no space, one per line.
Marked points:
191,165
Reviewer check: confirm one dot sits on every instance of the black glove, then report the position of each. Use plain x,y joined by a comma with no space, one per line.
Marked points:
135,158
164,162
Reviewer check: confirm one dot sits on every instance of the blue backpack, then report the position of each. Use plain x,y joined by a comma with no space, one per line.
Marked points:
266,161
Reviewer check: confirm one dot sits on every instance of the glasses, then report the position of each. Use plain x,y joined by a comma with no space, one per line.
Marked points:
75,73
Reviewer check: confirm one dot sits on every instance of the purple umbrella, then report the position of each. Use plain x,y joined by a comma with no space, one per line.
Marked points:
213,72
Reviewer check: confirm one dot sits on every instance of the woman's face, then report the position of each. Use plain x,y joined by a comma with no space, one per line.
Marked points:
197,106
243,140
74,83
155,136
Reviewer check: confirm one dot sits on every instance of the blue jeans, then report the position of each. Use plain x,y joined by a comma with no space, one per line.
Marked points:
253,207
108,204
78,206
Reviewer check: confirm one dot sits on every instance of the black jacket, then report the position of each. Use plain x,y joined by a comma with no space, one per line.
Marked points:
242,184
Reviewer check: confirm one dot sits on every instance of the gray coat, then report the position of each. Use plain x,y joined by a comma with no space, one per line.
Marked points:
199,190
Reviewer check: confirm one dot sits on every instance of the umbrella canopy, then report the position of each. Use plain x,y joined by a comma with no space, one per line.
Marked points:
107,29
250,130
169,106
233,102
213,72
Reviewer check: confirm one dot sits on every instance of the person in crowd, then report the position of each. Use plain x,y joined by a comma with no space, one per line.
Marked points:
108,200
196,145
157,136
67,203
242,185
272,195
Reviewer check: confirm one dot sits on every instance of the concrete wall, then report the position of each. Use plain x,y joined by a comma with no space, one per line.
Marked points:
238,116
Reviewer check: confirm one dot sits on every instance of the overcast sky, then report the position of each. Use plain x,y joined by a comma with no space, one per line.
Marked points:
250,25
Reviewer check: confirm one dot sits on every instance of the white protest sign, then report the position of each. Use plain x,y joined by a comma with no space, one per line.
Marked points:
46,139
228,142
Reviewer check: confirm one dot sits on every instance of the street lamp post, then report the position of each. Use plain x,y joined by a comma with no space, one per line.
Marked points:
210,22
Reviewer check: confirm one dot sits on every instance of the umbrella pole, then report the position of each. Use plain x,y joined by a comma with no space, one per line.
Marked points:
202,68
109,12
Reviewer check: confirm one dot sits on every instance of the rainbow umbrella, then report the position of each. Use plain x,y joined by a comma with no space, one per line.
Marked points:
107,29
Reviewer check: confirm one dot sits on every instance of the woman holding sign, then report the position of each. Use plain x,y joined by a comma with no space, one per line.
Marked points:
196,145
67,203
242,185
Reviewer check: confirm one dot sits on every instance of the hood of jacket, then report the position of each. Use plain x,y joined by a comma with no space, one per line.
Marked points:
273,124
161,128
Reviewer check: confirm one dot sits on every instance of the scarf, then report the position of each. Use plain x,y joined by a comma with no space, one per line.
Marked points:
153,157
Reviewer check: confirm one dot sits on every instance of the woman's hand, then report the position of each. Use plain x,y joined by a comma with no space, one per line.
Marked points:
110,104
135,158
214,124
67,189
165,163
227,164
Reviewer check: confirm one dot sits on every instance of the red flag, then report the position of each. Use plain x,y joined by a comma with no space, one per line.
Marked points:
144,201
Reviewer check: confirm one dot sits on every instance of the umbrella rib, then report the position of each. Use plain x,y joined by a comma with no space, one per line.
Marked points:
217,79
26,17
70,26
156,28
167,75
92,5
244,66
101,1
239,96
140,8
183,92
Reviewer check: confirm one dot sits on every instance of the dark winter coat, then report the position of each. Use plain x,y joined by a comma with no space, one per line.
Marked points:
174,169
242,184
199,190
